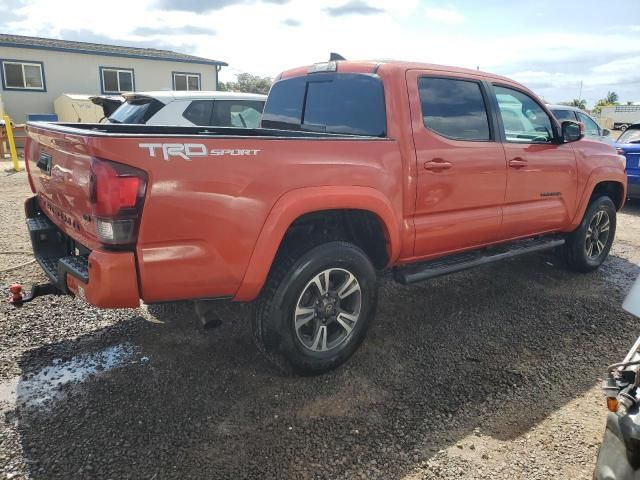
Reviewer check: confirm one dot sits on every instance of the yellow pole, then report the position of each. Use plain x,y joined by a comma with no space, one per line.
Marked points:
12,143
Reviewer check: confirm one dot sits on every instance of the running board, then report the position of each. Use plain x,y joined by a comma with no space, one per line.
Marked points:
462,261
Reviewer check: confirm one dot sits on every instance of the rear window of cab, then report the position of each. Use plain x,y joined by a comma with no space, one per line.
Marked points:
340,103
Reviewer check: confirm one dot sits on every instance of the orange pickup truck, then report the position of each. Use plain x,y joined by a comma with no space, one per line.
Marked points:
357,167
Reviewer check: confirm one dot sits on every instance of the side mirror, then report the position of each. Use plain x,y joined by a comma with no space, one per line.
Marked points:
572,131
606,132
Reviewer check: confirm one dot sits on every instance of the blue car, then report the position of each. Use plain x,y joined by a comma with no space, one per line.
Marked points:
629,145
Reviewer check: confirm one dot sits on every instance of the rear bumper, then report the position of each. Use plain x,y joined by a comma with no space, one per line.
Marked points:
102,278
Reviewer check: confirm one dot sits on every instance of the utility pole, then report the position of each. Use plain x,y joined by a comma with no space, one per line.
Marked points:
580,94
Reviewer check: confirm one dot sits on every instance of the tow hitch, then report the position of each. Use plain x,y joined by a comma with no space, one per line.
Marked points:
17,296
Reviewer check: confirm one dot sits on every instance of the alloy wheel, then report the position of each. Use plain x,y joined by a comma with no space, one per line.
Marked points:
597,234
328,309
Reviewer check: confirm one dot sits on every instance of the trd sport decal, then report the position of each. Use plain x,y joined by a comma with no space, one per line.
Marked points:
187,151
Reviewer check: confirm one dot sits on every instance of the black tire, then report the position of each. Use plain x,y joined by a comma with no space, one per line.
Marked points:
576,248
274,319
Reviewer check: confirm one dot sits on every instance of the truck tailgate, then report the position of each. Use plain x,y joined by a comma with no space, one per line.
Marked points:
60,169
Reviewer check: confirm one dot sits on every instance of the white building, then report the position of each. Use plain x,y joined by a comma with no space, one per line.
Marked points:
35,71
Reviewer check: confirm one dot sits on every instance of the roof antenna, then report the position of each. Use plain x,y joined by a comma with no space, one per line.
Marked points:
335,57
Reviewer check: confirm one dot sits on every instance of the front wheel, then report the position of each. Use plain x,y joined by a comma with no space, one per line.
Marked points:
588,246
315,308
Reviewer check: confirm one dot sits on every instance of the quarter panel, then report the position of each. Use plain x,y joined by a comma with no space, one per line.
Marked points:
202,217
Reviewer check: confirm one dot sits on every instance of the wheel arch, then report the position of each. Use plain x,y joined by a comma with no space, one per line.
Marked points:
605,180
299,203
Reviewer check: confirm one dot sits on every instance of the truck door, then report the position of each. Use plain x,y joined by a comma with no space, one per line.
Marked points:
541,174
461,165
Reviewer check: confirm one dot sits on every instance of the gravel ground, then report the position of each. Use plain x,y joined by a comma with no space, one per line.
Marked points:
491,373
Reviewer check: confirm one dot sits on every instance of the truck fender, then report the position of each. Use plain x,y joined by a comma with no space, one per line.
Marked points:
299,202
600,174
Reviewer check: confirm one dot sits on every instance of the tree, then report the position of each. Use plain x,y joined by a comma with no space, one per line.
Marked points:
247,83
611,98
581,103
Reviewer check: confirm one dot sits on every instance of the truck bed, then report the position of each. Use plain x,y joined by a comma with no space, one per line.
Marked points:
114,129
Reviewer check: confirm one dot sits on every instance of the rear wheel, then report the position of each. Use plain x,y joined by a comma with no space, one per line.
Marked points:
316,307
588,246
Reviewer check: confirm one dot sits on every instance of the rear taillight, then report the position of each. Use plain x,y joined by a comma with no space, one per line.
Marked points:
620,151
117,195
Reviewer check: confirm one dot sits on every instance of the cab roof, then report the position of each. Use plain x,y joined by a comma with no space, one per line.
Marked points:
389,66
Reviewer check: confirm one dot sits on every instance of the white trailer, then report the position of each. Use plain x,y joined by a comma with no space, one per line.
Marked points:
619,117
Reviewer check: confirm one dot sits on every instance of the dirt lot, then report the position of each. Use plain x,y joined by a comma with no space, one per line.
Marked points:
492,373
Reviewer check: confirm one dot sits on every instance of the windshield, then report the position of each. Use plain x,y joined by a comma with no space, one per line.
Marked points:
136,111
564,114
630,136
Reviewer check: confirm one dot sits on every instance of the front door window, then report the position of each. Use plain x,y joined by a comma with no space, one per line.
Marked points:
523,119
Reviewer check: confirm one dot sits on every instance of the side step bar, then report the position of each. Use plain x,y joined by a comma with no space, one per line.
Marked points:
463,261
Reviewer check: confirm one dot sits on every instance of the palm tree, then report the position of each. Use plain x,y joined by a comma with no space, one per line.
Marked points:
581,103
612,97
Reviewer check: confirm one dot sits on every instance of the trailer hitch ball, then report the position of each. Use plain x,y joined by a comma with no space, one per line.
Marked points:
15,289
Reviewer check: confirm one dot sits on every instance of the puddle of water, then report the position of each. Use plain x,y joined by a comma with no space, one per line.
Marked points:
34,390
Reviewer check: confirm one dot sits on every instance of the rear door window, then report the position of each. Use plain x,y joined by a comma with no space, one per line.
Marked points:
454,108
341,103
199,112
237,113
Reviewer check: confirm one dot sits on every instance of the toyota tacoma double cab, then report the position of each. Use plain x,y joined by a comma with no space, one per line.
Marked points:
357,167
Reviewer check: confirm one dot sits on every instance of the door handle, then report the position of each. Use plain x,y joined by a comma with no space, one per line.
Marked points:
437,165
517,162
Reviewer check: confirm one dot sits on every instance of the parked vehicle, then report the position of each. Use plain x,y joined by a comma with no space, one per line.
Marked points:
619,454
591,126
620,116
191,108
358,167
629,145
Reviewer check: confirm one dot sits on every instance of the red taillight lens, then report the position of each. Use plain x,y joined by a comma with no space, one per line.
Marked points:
620,151
114,190
117,194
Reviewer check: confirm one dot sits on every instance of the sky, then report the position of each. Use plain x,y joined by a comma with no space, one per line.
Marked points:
551,46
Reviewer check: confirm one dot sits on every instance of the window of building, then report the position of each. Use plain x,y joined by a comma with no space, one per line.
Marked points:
454,108
186,81
117,80
20,75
